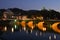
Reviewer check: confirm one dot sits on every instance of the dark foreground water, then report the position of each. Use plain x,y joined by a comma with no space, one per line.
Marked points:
24,35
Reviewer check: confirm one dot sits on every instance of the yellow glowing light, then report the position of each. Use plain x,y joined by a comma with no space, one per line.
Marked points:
15,20
5,28
40,26
32,27
55,28
23,23
24,28
44,29
31,31
12,29
30,24
15,26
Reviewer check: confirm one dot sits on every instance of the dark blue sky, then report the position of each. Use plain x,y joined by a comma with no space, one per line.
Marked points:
31,4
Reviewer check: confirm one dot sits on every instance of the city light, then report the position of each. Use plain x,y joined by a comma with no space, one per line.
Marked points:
15,20
12,29
15,26
31,31
24,28
32,27
44,29
5,28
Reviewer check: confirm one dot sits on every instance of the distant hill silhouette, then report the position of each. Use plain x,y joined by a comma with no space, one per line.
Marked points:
44,12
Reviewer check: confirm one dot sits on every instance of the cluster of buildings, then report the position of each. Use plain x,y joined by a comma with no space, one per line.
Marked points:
10,15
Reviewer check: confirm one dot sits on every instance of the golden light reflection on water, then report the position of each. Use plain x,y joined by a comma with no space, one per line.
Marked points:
39,25
36,33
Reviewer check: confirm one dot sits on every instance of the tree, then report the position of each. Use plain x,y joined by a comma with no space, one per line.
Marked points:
1,12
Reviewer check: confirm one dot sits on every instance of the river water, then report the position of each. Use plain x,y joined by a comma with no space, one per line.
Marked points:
25,35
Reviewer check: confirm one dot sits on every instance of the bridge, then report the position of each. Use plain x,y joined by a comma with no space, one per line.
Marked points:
28,19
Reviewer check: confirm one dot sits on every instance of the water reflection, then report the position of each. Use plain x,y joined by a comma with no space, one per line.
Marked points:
31,32
12,29
27,31
15,26
40,33
5,28
54,36
20,30
36,34
49,37
24,28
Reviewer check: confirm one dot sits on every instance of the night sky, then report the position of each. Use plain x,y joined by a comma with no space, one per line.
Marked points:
31,4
